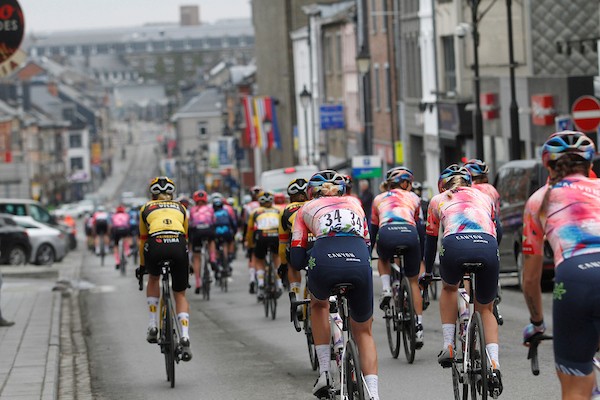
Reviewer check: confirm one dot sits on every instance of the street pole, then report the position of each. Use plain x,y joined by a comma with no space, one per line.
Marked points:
306,136
515,139
477,117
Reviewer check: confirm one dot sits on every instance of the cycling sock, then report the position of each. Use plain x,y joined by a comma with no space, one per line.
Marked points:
184,321
386,282
372,382
492,350
324,356
295,287
420,319
152,308
448,331
279,284
252,274
260,275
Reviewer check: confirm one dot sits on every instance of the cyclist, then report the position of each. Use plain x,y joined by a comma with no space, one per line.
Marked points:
263,235
224,228
120,229
340,254
417,188
201,227
566,212
479,172
394,221
246,211
100,222
89,233
134,223
163,235
228,205
298,196
466,217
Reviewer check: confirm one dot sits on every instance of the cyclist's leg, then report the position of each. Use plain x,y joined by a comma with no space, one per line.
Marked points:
180,278
152,289
385,250
260,252
451,273
116,237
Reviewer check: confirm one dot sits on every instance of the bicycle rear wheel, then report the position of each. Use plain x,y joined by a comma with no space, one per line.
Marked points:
273,305
478,376
102,251
123,260
310,342
408,320
206,282
392,325
168,347
353,385
461,389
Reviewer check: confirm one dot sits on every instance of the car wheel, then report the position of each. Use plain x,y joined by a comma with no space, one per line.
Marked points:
520,269
17,256
45,255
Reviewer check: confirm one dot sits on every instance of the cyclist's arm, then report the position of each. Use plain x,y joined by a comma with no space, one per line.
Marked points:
284,238
250,231
532,275
499,230
143,235
299,242
432,231
430,252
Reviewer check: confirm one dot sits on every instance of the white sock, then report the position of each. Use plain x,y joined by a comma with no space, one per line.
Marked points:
279,284
492,350
184,321
295,287
420,319
153,310
260,275
386,282
252,272
324,356
448,330
372,385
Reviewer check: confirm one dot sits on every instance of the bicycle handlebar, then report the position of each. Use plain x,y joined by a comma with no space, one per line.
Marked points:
140,278
532,354
293,312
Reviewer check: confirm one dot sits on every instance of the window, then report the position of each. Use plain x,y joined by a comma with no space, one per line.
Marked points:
202,129
449,63
373,17
39,214
338,52
384,18
388,88
377,87
328,50
75,141
413,67
14,209
76,163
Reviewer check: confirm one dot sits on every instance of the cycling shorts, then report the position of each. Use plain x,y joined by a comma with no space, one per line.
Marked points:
263,243
225,237
119,233
135,230
168,247
576,314
88,230
343,259
393,235
198,236
101,227
471,247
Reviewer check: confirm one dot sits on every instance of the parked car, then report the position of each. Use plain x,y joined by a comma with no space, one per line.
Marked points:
15,247
33,209
71,209
47,244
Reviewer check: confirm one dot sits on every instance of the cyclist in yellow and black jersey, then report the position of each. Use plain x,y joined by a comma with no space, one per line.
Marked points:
163,236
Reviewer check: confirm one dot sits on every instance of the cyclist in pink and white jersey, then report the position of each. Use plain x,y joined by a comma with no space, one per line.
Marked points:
201,230
341,254
466,218
120,229
394,217
479,172
566,212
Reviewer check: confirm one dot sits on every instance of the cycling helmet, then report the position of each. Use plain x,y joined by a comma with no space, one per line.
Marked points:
417,186
477,168
200,195
279,198
326,183
246,199
217,202
230,201
255,190
561,143
161,184
451,171
120,209
399,174
297,186
265,197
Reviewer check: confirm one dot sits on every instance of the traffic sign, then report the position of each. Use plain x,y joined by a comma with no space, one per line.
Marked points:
563,123
586,113
366,167
332,116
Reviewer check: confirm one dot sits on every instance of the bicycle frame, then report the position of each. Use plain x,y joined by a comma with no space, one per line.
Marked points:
168,341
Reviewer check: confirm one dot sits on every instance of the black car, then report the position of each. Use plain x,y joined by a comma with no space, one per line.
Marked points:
15,248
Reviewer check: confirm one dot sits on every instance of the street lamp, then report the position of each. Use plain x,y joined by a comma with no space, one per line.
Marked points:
305,98
515,146
363,62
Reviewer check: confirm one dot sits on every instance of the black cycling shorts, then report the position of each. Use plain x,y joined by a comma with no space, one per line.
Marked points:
471,247
263,243
576,314
393,235
198,236
101,227
168,247
119,233
343,259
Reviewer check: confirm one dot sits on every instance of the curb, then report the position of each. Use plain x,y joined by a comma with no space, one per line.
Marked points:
30,272
50,386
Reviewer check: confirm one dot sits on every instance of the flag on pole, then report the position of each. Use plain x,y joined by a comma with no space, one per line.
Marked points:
250,133
274,137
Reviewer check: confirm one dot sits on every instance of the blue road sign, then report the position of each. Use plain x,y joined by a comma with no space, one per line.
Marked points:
332,116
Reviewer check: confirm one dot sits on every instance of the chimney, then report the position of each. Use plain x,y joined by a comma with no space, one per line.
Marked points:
189,15
53,88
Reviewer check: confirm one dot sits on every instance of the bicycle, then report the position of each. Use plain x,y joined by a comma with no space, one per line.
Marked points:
206,279
270,289
306,324
399,314
222,266
123,259
469,367
169,329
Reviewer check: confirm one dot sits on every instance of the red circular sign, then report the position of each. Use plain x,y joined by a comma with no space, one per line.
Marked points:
586,113
12,28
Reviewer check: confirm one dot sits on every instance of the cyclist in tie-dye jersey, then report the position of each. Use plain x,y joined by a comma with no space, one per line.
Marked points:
479,173
466,218
394,221
341,254
566,212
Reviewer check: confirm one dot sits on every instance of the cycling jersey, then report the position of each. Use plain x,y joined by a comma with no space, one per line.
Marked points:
224,225
248,209
161,217
286,220
263,232
120,220
491,191
202,217
570,223
395,206
100,222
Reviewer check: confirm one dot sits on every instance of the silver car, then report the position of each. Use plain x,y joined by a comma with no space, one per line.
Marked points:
48,244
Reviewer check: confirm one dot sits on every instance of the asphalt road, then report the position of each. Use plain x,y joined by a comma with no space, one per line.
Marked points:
238,353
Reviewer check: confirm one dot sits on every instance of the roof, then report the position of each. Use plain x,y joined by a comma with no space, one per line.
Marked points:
210,101
140,94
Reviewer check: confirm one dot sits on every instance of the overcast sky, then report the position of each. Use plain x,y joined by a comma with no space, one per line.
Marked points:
58,15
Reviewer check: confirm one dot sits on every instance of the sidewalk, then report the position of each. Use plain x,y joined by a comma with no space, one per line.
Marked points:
43,356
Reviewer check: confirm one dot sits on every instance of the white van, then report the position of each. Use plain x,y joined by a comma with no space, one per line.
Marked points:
277,180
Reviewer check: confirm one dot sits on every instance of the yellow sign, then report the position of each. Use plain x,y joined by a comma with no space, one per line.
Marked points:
399,153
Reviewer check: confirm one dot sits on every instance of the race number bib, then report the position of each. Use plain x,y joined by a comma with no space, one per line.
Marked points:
341,220
267,222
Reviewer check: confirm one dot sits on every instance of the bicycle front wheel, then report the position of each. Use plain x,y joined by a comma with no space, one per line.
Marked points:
353,381
408,320
310,342
273,305
392,326
478,376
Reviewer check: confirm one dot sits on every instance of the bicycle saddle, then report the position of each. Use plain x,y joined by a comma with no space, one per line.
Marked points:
341,289
469,267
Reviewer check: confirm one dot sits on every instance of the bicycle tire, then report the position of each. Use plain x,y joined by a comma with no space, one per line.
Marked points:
102,251
310,342
353,384
123,260
408,320
206,282
392,326
273,307
458,361
478,376
167,342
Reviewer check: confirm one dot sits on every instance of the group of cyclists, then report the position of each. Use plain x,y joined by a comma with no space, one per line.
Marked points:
324,231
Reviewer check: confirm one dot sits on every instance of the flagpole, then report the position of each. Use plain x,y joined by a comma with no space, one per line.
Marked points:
257,165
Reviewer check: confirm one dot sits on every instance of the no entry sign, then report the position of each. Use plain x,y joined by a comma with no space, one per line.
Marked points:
586,113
